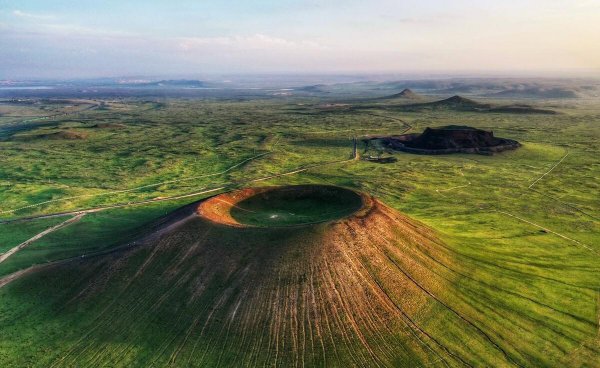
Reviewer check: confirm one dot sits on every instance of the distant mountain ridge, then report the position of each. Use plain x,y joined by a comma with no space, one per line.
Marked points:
536,92
460,103
312,88
189,83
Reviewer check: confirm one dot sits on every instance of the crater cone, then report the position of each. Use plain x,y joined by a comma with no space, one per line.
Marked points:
209,287
295,205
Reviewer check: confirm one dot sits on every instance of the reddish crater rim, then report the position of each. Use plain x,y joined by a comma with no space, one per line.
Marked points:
217,209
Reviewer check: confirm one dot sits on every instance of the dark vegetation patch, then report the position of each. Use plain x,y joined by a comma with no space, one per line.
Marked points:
42,101
522,109
60,135
6,132
108,126
334,106
65,134
323,142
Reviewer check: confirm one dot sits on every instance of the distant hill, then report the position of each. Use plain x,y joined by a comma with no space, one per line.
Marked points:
313,88
536,92
406,94
454,103
460,103
522,109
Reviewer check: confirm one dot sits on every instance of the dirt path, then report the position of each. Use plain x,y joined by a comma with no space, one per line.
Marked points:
550,231
15,275
460,170
572,206
549,171
7,279
17,248
406,125
440,191
113,206
453,188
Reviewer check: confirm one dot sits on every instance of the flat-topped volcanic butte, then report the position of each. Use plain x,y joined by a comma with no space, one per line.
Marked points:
450,139
339,279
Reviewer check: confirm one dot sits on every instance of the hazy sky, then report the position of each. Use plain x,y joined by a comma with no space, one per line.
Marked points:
89,38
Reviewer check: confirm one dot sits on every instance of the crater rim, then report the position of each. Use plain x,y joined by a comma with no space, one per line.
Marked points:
231,207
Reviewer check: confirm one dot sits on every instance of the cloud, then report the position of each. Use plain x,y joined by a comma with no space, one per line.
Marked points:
22,14
384,39
588,3
257,41
54,50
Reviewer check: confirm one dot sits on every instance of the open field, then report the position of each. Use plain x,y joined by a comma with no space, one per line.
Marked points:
507,272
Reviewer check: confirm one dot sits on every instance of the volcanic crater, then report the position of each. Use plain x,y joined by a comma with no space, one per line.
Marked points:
337,278
294,205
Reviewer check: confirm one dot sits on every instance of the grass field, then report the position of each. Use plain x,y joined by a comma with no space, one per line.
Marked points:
513,281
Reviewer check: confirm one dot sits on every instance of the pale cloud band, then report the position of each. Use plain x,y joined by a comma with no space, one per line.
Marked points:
385,36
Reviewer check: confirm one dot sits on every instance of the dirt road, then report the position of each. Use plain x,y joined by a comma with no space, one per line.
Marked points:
550,231
549,171
17,248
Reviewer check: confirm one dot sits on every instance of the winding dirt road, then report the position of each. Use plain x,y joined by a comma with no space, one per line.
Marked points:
17,248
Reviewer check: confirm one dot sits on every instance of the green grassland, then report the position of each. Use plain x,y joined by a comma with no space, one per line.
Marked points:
15,233
527,251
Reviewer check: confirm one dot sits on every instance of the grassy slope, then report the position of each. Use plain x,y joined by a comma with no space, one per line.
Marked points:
219,302
95,232
15,233
534,293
